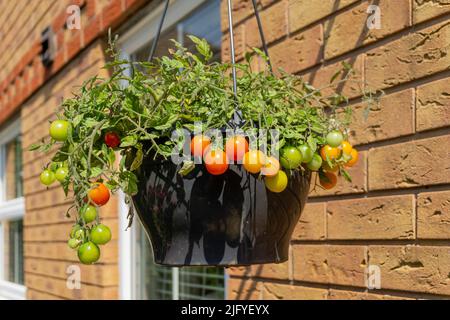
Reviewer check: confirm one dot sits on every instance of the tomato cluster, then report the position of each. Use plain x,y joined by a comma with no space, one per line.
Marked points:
336,155
88,233
333,157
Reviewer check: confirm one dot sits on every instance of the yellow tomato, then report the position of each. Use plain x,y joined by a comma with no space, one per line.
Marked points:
332,153
253,161
354,158
277,183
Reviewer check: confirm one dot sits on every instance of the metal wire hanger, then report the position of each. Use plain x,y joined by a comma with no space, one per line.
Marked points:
237,116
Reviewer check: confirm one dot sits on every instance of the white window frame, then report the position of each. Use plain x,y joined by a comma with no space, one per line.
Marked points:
136,37
9,210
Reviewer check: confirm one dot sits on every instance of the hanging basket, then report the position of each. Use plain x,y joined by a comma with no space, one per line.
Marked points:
226,220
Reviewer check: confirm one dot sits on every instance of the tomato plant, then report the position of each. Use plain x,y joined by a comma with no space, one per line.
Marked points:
236,147
290,157
47,177
106,121
100,234
354,158
199,145
216,161
112,139
253,161
346,147
89,213
335,138
59,130
99,194
277,183
271,167
329,153
61,173
315,163
88,253
307,153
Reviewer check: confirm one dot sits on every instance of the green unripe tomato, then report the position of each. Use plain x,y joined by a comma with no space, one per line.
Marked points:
335,138
290,157
88,253
61,173
306,152
315,163
73,243
100,234
59,130
74,230
47,177
79,234
89,213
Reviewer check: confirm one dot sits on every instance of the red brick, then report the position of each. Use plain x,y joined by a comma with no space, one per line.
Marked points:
343,265
371,218
274,22
410,164
433,215
413,268
369,122
349,30
299,52
433,105
311,225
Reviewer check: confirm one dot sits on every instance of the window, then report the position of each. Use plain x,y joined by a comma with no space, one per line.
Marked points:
142,279
11,213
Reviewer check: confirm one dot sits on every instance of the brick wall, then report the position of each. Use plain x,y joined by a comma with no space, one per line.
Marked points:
395,214
34,92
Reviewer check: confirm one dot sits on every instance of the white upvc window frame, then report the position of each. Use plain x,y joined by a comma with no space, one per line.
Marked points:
134,39
9,210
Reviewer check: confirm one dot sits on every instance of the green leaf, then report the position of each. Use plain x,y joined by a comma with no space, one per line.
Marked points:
129,141
137,159
96,172
128,182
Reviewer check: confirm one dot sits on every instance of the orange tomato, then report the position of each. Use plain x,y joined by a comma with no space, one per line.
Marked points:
236,147
216,161
332,153
346,147
199,144
270,167
99,194
253,161
328,180
354,159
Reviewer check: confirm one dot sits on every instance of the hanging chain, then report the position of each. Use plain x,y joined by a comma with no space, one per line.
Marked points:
158,33
237,114
261,33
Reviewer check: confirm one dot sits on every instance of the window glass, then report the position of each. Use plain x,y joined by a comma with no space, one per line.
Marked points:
13,169
13,251
202,23
153,281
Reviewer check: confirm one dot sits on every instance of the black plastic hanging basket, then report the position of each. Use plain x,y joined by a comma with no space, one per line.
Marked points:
225,220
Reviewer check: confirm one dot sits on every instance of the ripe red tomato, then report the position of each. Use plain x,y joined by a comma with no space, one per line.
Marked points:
199,144
216,161
99,194
112,139
236,147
